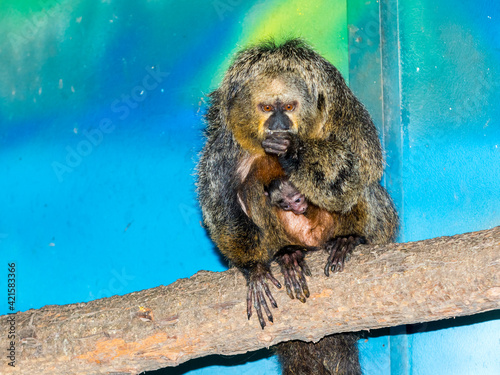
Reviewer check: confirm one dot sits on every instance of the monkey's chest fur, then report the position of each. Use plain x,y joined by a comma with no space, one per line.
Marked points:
311,229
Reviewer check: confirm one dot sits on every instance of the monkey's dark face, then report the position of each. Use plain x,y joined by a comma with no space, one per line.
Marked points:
284,194
296,203
277,104
289,200
279,116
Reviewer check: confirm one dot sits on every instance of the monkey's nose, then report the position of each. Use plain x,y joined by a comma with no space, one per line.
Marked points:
279,121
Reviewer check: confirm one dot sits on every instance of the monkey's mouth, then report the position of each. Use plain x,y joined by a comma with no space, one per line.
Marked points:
280,131
300,211
272,132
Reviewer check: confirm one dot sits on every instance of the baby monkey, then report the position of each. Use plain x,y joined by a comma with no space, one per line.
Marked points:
316,226
283,194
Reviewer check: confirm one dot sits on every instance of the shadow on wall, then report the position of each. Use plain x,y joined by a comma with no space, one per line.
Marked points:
215,360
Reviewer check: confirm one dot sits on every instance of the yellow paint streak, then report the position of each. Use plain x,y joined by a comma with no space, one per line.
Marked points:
324,294
151,346
323,23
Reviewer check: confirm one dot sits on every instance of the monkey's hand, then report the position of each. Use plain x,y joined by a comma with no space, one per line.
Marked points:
340,249
277,143
257,288
294,267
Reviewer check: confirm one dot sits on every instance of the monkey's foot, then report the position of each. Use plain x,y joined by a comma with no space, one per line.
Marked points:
340,249
257,288
294,267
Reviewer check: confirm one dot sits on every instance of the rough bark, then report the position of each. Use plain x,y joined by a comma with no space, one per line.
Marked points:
381,286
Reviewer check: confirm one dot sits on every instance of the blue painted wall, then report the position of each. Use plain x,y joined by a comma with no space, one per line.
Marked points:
449,163
101,106
428,73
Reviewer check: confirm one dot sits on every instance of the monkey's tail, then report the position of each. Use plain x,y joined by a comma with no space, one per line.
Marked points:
335,354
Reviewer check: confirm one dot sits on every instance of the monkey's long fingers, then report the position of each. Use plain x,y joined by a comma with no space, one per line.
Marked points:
302,261
279,144
289,270
303,282
338,260
298,262
259,311
341,249
286,264
271,278
249,301
305,268
275,146
270,296
288,283
260,302
330,262
297,286
345,254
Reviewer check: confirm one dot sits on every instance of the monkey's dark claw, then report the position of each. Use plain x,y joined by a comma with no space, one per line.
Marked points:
306,270
340,249
271,278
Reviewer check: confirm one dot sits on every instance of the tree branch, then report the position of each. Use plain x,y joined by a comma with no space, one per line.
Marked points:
381,286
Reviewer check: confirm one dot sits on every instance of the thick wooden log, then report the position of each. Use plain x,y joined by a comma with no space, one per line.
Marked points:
381,286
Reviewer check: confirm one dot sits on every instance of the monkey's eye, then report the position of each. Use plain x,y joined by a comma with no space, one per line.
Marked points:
267,108
289,107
